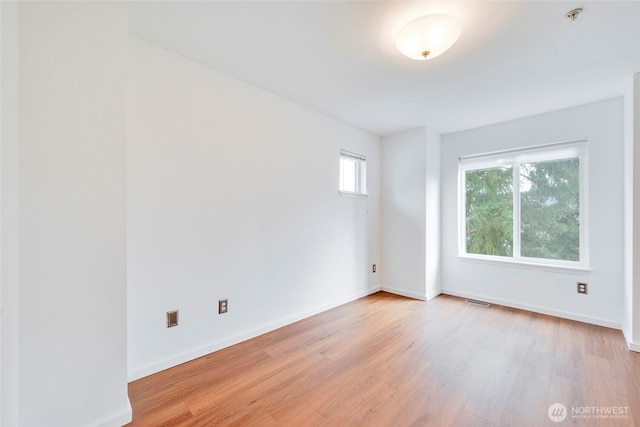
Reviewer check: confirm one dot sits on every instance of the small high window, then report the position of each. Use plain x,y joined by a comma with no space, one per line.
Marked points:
353,173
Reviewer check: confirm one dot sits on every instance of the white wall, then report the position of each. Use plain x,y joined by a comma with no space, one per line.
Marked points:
433,228
636,210
631,320
72,235
9,214
404,213
233,193
411,213
627,323
548,291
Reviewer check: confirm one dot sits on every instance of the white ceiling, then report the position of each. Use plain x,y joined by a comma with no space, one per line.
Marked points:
512,60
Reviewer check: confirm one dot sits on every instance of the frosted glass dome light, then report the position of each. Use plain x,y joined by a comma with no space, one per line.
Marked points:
428,36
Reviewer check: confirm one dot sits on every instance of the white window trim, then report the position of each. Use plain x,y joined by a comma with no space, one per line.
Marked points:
361,172
352,195
510,262
513,158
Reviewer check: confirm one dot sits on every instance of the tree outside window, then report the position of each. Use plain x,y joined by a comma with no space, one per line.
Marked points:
526,206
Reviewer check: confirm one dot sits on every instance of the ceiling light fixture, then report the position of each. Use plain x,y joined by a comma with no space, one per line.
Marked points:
428,36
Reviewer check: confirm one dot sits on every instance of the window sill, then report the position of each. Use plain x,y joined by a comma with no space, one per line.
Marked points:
351,195
528,265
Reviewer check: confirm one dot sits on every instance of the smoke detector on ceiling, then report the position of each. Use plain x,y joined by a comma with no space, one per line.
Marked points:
573,14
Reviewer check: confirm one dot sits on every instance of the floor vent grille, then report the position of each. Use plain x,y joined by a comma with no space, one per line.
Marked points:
479,303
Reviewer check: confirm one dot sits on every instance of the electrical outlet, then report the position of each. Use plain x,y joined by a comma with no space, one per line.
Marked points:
582,288
374,268
172,318
223,305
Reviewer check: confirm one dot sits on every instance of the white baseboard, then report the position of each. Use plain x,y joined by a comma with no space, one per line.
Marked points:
403,293
633,346
117,420
137,373
535,309
434,294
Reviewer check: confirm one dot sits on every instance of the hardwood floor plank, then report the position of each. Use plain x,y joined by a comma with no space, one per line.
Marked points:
628,363
568,393
321,382
409,360
606,390
490,398
570,351
233,417
433,395
386,360
357,404
468,419
527,404
174,413
299,415
416,402
545,330
600,342
278,376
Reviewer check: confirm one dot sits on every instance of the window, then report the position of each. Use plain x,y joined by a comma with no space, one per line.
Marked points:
527,206
353,174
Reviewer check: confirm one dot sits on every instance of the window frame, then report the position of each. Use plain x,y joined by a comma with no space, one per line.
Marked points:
360,175
514,158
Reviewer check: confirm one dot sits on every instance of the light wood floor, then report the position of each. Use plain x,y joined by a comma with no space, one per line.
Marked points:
385,360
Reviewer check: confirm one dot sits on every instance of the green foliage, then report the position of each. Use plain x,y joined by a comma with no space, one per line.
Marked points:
550,209
489,211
